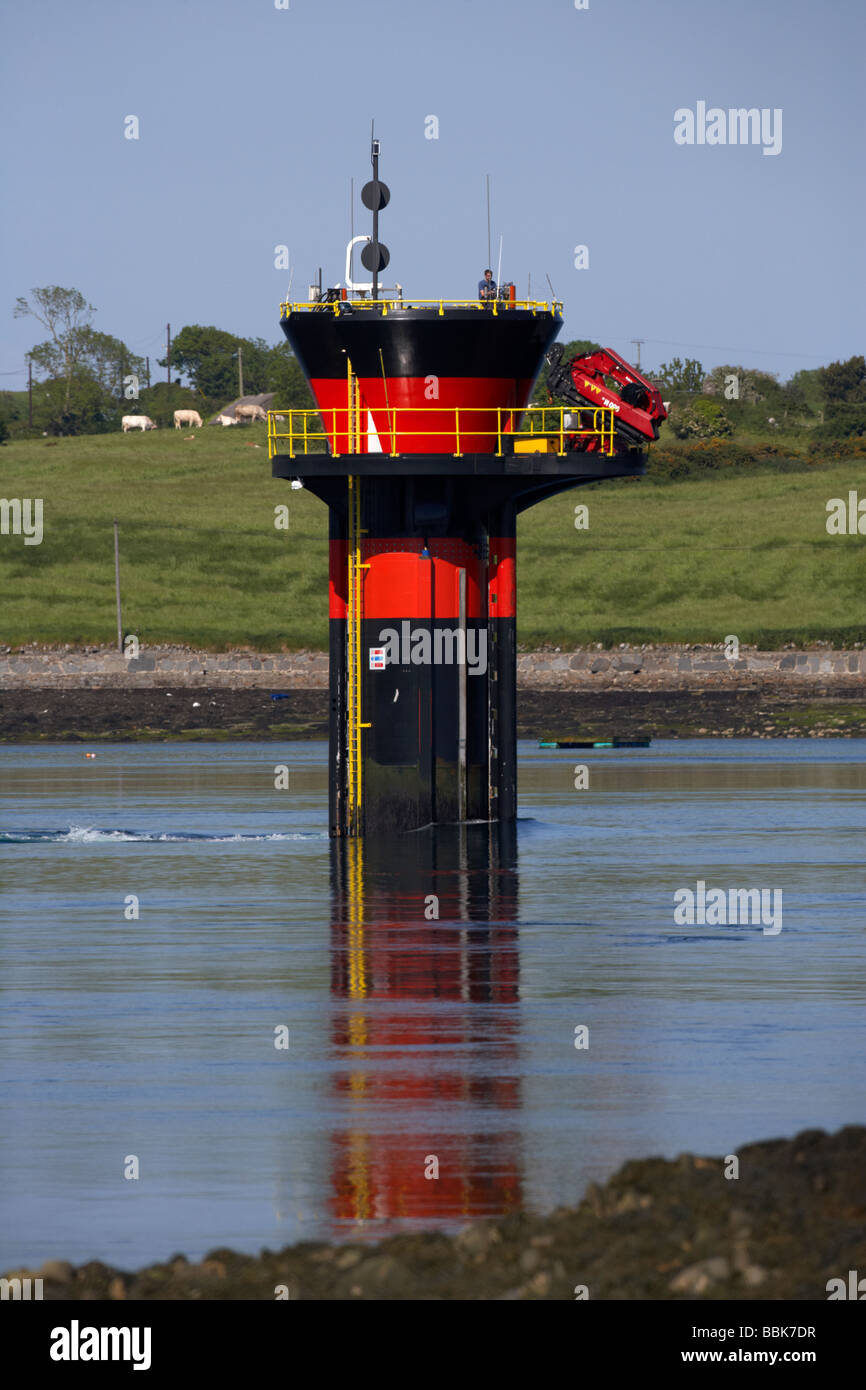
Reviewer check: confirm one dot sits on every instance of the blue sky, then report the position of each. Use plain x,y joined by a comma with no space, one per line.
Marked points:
254,119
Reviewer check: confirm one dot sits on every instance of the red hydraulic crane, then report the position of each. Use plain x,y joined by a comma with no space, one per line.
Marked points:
637,407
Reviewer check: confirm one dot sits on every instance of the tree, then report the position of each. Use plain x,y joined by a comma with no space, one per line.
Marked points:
208,356
845,381
844,385
805,392
578,347
287,381
681,376
205,356
751,386
64,313
80,371
89,410
99,356
701,419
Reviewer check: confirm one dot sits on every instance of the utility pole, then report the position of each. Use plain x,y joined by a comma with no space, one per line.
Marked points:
30,394
147,371
117,588
168,354
240,371
637,342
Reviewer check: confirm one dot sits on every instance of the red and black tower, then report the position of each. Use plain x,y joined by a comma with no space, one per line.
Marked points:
425,451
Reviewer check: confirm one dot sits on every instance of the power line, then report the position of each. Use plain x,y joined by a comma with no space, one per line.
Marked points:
714,347
757,352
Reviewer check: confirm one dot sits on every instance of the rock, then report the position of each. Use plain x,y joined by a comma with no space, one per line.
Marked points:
382,1275
699,1277
540,1283
57,1271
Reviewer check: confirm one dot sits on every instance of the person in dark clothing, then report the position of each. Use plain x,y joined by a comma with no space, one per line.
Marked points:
487,286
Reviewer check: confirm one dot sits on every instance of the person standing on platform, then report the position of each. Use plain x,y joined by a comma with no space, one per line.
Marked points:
487,286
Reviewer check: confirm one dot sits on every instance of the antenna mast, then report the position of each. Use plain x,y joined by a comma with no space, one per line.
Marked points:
375,195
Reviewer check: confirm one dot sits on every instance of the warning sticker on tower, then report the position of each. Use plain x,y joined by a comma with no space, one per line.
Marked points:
378,658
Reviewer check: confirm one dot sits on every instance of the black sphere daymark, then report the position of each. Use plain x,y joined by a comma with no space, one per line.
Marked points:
375,256
375,195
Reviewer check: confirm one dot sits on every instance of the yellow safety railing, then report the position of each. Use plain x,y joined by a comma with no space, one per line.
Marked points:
501,430
391,306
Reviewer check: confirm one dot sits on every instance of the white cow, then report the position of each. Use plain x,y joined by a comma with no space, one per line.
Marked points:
226,420
250,412
137,422
187,417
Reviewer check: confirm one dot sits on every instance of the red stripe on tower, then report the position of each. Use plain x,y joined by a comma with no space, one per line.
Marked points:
430,415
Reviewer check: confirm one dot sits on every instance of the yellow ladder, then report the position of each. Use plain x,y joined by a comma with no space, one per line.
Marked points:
354,614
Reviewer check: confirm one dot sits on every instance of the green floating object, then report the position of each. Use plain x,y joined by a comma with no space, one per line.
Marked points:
610,743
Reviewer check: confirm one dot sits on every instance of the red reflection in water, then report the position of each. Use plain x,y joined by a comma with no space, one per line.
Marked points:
426,1030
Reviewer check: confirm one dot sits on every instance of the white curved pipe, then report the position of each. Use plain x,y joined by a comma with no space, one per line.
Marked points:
350,283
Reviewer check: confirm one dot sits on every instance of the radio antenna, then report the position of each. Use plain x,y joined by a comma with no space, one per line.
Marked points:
489,253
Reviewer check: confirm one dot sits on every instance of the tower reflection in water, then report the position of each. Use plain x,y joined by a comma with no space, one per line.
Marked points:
425,1027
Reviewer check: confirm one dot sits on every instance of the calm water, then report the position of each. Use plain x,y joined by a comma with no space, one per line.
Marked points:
408,1037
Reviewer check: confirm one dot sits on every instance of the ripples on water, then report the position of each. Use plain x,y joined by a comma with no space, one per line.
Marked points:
410,1036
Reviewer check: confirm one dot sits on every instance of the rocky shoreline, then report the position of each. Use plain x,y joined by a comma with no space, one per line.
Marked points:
790,1221
213,713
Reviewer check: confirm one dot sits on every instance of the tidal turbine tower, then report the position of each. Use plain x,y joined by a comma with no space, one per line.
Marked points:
425,451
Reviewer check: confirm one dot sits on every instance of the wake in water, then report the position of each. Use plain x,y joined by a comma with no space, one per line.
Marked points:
90,835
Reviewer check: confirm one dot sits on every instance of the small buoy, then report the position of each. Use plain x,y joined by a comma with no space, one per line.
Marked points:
90,755
196,704
168,694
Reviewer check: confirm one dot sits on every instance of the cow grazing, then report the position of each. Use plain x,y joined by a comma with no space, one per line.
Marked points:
250,412
187,417
226,420
137,422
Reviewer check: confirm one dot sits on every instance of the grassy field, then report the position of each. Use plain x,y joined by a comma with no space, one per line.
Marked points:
202,563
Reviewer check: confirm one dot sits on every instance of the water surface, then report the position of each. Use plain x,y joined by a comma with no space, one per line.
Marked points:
411,1038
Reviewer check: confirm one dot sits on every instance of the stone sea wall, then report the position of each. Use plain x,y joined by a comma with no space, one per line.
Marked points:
648,668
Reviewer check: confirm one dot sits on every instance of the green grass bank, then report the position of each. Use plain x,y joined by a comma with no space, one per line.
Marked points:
743,551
